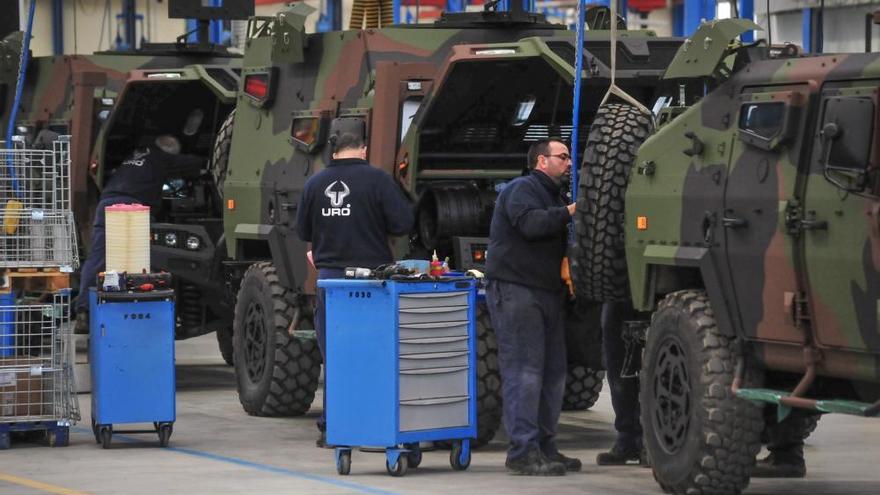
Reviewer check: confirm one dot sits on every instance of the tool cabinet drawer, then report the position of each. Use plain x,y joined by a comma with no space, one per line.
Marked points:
424,414
435,314
409,331
433,344
433,360
433,299
433,382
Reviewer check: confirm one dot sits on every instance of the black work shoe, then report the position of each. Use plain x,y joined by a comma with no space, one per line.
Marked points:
621,456
81,327
570,463
535,464
780,466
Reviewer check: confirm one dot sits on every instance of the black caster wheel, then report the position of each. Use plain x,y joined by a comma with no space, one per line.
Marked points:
95,431
455,459
415,458
343,464
58,438
106,436
165,434
399,468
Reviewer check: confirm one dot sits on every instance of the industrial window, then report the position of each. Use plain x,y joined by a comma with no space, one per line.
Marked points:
762,119
854,119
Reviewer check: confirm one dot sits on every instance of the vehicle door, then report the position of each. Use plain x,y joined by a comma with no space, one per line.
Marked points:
761,188
841,218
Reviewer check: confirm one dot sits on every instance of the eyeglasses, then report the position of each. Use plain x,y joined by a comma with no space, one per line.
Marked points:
562,156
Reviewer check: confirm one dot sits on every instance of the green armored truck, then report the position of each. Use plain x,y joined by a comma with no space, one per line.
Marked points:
745,225
451,109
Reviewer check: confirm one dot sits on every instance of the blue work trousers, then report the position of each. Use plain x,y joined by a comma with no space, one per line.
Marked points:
624,391
529,327
321,331
97,258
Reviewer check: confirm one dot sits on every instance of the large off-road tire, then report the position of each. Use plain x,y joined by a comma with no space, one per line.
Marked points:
220,157
277,373
597,262
582,388
488,380
700,438
224,342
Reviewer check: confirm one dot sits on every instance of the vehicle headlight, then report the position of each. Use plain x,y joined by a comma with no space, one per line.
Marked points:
171,239
193,242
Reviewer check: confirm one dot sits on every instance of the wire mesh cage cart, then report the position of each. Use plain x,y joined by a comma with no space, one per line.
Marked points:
36,389
37,221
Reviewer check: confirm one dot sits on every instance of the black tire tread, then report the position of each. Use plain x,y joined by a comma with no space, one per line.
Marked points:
488,381
731,427
220,156
297,362
582,388
224,343
597,261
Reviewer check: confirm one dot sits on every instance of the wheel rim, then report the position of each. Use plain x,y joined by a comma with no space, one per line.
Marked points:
672,396
254,342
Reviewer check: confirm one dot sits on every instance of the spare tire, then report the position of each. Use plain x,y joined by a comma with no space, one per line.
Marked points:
220,157
597,261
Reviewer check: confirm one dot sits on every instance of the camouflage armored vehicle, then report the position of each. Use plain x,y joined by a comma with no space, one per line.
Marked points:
451,109
745,225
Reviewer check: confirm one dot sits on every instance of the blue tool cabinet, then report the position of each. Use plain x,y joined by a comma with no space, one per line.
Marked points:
401,368
132,362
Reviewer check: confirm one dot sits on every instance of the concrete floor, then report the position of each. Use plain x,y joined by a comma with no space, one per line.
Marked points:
217,449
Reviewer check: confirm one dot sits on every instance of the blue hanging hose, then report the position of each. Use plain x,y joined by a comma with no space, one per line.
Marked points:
19,87
576,104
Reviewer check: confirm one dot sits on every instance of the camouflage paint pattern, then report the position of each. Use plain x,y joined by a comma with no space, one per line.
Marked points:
368,73
745,215
67,94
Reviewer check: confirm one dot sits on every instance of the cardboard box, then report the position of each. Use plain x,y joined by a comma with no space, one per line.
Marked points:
25,390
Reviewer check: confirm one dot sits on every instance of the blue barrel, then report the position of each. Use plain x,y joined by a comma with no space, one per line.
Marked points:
7,325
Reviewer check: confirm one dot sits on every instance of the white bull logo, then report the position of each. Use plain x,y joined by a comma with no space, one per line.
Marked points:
337,197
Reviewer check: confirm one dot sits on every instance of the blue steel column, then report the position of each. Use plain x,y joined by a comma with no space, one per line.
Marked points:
327,17
694,12
58,27
747,11
678,20
129,18
807,30
395,6
453,6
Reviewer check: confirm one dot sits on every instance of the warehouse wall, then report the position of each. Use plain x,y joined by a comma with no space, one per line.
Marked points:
844,25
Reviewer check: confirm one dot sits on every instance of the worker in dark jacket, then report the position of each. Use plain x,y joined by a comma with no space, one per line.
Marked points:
138,179
525,296
347,212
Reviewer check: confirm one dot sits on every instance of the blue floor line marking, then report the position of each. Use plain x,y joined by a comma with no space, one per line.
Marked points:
254,465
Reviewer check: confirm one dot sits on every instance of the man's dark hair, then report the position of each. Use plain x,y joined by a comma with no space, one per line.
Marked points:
347,133
539,148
